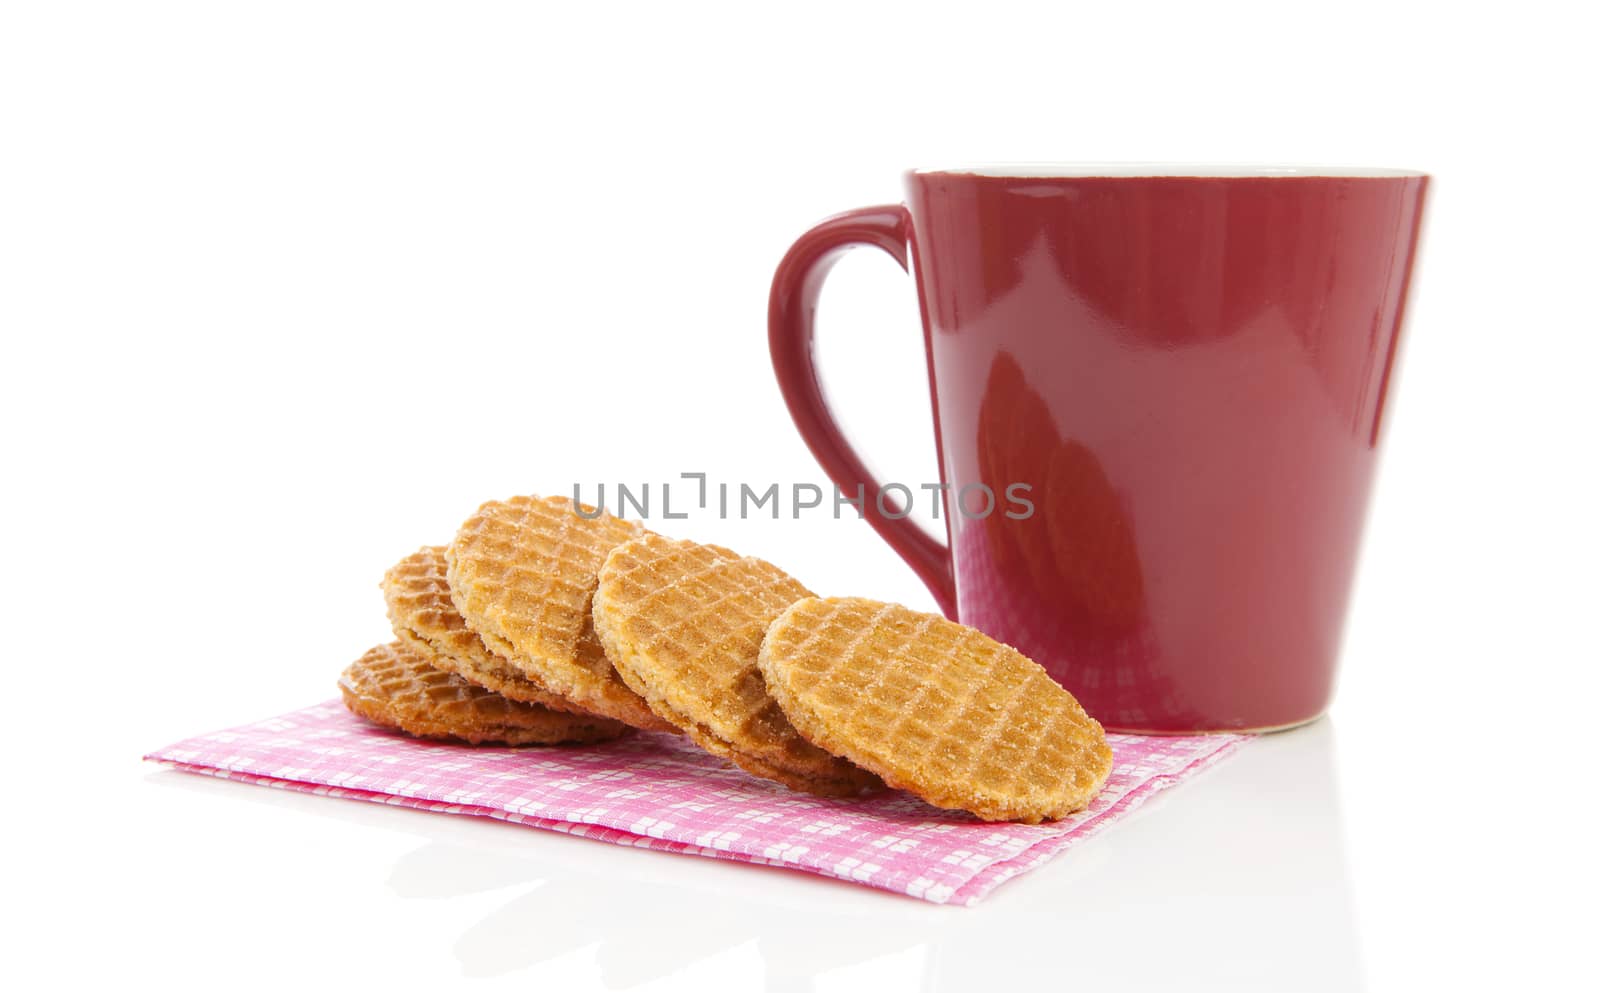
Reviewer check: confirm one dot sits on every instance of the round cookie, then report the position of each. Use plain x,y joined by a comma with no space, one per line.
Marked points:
420,610
682,623
521,574
396,686
935,708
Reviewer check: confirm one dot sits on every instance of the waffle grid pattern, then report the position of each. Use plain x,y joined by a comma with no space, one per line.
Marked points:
423,616
396,686
522,572
933,707
683,623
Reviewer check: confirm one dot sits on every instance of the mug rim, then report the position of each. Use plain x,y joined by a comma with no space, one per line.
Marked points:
1164,170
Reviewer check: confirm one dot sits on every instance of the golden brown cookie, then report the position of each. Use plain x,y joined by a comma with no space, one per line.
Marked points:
522,573
936,708
682,623
396,686
420,611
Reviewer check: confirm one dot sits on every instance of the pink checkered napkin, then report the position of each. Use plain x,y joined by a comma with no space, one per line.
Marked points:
658,791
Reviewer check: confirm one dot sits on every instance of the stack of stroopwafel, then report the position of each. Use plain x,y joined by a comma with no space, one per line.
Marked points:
547,622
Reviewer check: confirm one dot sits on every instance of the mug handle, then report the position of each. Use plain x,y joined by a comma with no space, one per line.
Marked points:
791,323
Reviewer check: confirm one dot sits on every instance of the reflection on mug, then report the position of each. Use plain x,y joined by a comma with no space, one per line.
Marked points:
1064,586
1078,547
1273,290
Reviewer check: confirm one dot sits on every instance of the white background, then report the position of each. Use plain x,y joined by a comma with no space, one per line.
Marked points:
287,289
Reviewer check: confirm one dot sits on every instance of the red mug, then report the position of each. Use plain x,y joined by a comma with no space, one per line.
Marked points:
1182,373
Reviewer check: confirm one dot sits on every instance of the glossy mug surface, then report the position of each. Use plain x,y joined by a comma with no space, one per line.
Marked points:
1187,368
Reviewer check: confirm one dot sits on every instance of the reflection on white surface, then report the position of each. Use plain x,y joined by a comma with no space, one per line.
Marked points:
1237,883
646,930
1236,880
